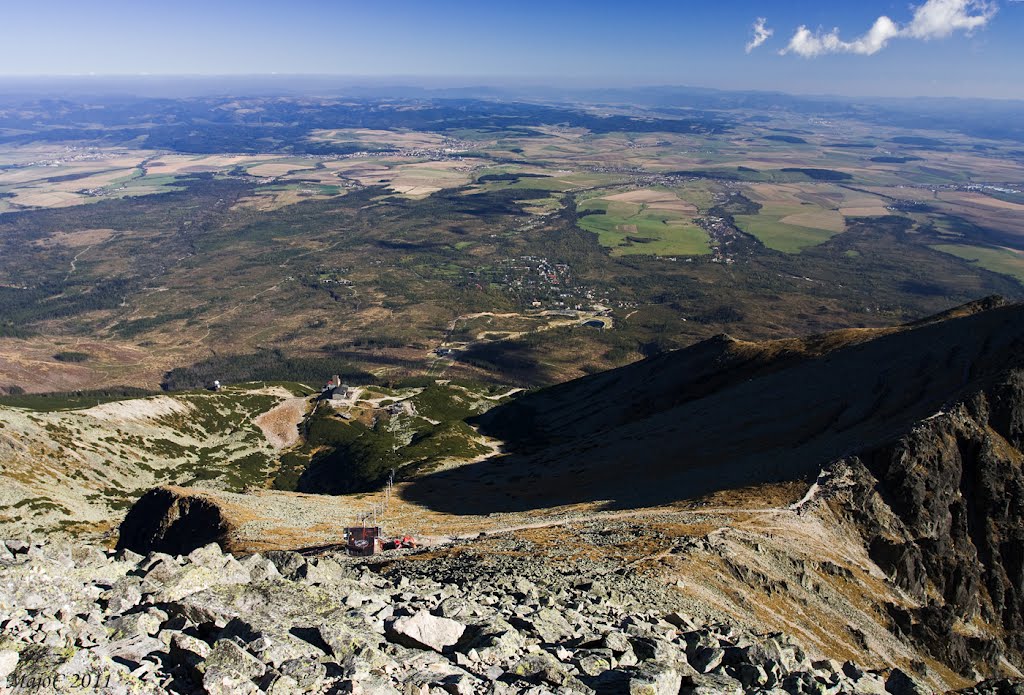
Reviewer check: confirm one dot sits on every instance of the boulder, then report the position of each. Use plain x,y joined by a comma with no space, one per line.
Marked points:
707,659
492,639
231,669
171,520
425,631
711,684
8,662
541,667
654,679
550,625
131,649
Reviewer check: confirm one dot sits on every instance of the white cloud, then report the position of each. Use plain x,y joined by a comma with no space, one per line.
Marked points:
935,19
761,34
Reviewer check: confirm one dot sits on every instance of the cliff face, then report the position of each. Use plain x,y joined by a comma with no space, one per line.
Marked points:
941,511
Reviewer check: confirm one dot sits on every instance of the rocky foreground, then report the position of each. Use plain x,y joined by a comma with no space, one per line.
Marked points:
76,618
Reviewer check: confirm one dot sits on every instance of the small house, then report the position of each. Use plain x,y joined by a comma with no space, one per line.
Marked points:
363,540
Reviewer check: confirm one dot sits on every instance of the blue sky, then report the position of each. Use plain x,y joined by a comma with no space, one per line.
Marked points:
587,43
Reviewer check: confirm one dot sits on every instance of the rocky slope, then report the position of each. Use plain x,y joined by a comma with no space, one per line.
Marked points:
905,552
941,511
860,492
457,624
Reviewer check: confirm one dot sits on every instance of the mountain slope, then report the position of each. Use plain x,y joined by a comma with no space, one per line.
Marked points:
919,430
76,470
893,537
725,414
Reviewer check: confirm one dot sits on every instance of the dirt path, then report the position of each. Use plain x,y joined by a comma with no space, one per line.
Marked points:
78,255
605,516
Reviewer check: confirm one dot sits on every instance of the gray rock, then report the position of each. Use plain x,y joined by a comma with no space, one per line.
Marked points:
356,649
461,684
617,642
209,555
707,659
681,620
132,649
653,649
8,662
189,653
290,565
193,578
455,607
280,684
227,666
869,684
276,649
227,682
900,683
654,679
17,547
124,595
711,684
133,624
541,667
129,556
324,570
377,685
594,664
425,631
550,625
750,675
308,673
260,568
494,640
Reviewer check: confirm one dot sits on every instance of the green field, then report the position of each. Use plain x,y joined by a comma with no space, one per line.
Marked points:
995,259
632,229
771,231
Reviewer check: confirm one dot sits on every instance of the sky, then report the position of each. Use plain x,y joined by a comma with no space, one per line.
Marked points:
966,48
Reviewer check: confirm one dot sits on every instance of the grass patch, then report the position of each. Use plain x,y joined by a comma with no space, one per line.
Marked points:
775,234
791,228
635,229
1003,261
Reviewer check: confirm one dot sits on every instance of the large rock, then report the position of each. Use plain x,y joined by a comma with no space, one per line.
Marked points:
171,520
230,670
711,684
655,679
550,625
541,667
178,520
426,631
8,662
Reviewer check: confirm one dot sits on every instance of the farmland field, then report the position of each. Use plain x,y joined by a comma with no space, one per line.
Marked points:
998,260
645,223
490,242
793,217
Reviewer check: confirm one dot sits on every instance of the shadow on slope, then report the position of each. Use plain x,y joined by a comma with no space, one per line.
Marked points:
725,414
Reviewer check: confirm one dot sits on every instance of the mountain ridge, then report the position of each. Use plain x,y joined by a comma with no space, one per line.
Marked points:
726,413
